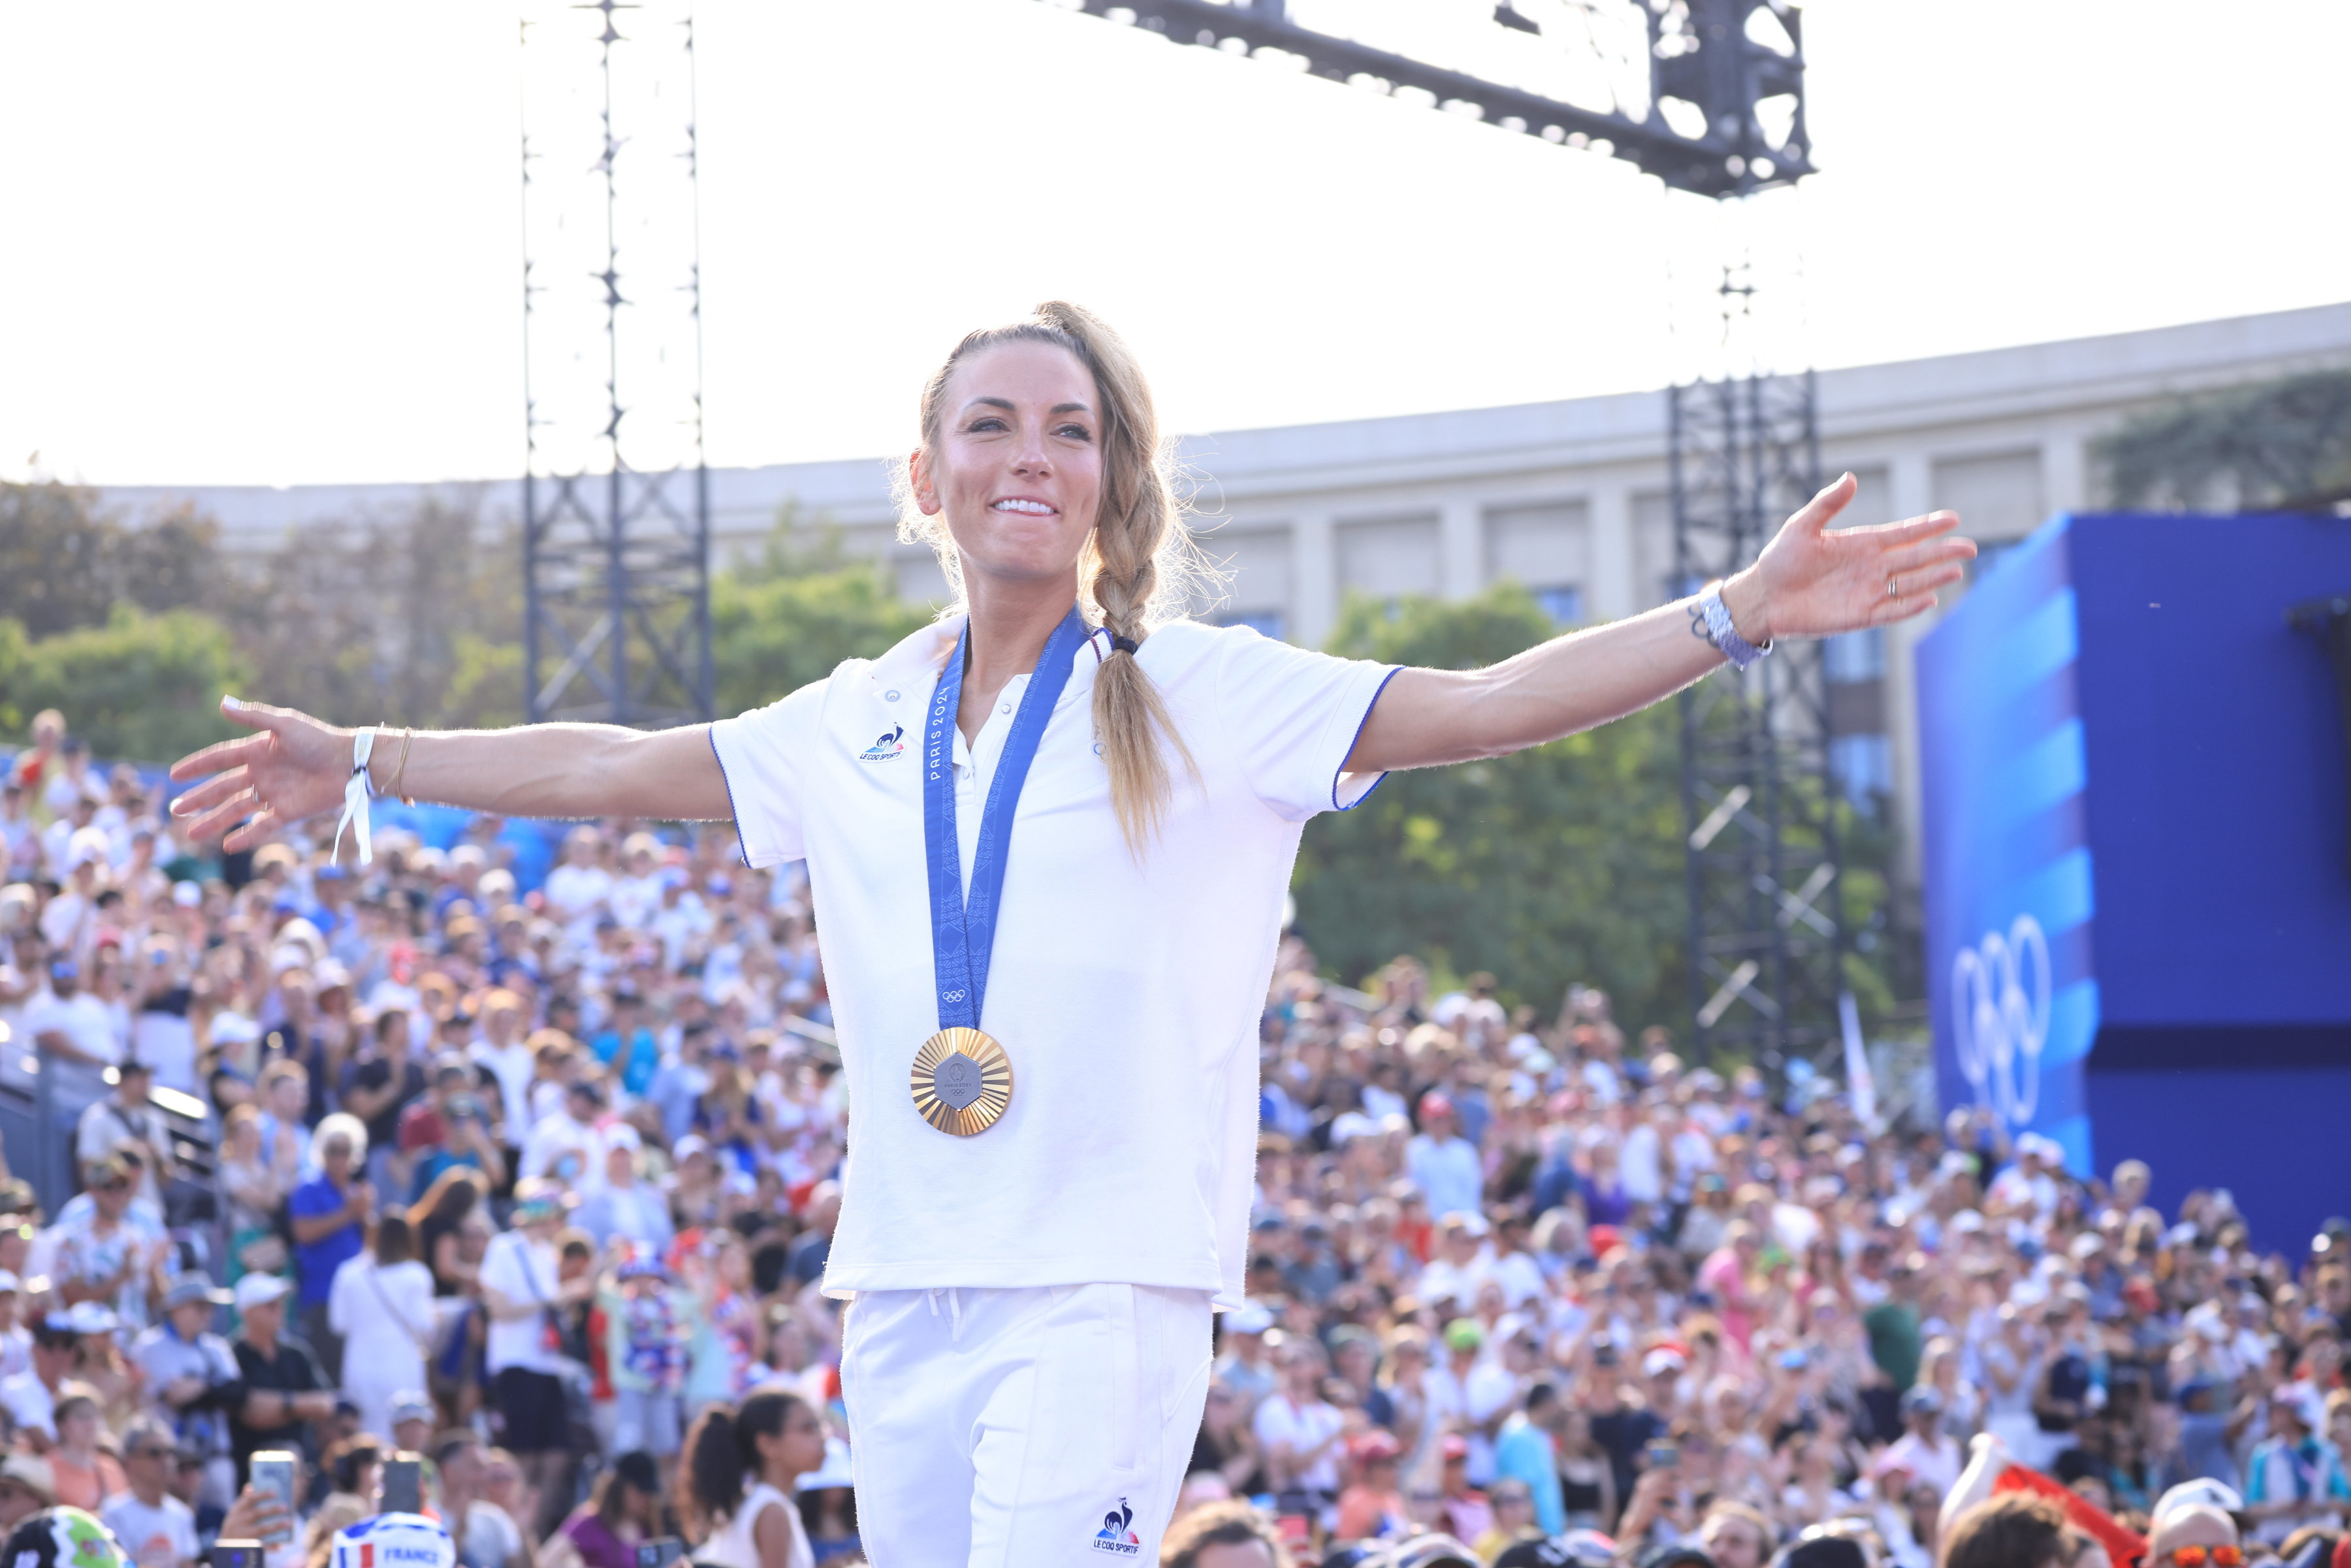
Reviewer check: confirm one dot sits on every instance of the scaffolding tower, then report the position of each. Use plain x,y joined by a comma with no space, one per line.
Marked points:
616,496
1766,934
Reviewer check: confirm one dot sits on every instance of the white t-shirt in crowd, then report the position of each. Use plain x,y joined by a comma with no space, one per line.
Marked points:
163,1536
520,1271
574,892
1298,1428
1125,993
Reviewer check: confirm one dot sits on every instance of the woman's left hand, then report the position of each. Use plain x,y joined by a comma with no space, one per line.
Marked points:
1815,581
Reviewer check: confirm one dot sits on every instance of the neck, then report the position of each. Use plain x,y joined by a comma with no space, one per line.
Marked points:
152,1496
1009,623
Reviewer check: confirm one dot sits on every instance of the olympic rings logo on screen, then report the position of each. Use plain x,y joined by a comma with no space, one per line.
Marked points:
2000,995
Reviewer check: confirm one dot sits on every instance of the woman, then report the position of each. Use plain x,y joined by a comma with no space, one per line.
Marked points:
624,1509
87,1475
736,1487
381,1303
1108,1214
1587,1482
441,1216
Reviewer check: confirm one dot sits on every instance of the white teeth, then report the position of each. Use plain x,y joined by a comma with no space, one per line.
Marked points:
1030,509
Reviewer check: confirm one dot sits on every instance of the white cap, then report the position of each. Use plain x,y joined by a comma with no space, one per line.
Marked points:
1250,1318
260,1289
2188,1494
9,1283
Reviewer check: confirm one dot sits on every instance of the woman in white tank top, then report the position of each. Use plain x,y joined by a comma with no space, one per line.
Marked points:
739,1471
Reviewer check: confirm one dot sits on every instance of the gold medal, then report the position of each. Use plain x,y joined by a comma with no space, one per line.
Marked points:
962,1081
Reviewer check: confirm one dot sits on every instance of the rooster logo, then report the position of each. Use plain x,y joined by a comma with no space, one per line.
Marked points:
1115,1529
891,744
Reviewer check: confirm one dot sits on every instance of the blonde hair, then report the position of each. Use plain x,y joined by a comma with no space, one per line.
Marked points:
1140,565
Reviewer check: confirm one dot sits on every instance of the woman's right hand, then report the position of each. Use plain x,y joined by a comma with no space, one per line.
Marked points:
294,768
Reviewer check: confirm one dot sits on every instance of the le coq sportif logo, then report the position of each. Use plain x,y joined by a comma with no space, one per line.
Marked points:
1116,1534
892,743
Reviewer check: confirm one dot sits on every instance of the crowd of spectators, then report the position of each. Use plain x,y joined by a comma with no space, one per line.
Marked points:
539,1181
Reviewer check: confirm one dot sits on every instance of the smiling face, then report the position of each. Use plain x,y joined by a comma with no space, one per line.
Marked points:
1016,464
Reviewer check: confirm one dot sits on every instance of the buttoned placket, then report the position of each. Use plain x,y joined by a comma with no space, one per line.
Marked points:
974,766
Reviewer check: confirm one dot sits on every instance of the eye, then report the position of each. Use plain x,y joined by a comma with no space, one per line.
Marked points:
1075,432
986,422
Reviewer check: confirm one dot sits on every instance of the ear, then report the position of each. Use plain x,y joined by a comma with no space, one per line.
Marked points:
927,494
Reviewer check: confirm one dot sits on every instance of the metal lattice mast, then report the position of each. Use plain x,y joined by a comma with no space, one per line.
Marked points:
1766,936
616,512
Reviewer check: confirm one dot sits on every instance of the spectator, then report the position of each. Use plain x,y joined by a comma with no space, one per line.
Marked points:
2014,1529
85,1474
1444,1165
123,1117
330,1213
285,1389
74,1033
1223,1535
622,1205
193,1376
1527,1452
625,1509
740,1470
156,1529
520,1287
486,1535
381,1308
1299,1431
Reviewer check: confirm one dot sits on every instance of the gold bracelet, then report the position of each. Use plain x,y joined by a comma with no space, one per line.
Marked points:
401,773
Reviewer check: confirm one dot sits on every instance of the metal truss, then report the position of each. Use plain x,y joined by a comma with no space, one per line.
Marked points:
1712,102
1766,934
616,496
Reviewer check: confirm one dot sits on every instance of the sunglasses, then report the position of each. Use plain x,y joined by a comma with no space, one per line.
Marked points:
2219,1556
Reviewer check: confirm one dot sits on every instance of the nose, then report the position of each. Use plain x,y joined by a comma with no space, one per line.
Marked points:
1032,459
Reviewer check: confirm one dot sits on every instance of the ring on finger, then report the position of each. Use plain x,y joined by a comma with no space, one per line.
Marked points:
1892,589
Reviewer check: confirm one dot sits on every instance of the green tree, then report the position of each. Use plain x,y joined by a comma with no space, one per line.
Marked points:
414,617
2279,443
65,564
786,616
141,686
1561,863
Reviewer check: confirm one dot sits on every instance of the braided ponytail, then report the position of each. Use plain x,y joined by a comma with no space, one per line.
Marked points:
1139,565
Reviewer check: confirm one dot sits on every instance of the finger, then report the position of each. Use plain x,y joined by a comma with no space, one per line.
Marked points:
1831,500
211,792
229,813
1926,553
221,754
1907,529
1917,597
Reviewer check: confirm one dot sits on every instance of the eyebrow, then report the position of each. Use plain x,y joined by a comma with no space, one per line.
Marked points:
1005,404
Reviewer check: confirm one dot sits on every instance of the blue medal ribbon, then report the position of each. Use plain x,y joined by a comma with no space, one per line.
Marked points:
963,926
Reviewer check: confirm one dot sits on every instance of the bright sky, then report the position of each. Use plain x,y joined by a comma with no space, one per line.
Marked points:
279,242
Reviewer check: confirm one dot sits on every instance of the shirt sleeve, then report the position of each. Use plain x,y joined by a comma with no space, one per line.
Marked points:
1294,715
760,753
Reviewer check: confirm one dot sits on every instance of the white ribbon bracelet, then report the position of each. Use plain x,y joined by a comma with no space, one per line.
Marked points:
355,799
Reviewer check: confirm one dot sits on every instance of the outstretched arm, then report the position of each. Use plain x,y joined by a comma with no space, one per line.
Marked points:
1808,582
296,767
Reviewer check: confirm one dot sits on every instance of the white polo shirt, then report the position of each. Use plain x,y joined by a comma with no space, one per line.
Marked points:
1126,995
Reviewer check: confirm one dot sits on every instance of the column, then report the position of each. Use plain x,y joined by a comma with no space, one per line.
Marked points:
1313,579
2064,479
1613,591
1460,549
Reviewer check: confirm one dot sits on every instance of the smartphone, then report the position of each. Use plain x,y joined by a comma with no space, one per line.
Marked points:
235,1554
277,1472
660,1551
403,1484
1663,1456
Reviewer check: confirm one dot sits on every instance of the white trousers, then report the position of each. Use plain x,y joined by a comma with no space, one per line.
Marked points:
990,1429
